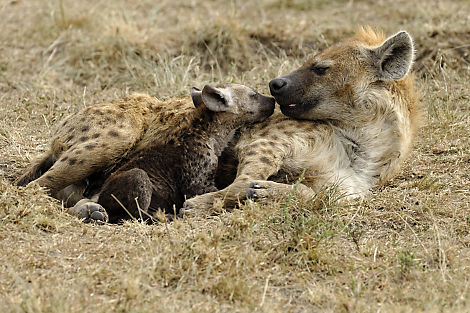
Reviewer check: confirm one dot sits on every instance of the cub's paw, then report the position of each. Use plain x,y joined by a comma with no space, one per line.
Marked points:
89,211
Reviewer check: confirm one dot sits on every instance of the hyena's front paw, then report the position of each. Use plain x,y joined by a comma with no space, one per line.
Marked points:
264,191
198,205
89,211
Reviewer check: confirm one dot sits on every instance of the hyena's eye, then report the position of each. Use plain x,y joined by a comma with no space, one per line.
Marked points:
319,69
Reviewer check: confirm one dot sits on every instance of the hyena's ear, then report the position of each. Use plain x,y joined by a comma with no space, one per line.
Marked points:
394,58
196,95
216,99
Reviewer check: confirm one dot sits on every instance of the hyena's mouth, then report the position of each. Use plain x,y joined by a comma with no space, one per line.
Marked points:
296,109
292,109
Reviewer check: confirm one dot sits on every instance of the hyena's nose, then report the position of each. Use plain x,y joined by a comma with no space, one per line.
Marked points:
276,85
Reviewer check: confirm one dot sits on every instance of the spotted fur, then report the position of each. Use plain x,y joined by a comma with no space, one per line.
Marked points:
350,115
166,155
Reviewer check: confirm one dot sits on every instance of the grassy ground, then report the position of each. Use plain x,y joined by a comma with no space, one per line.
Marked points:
406,248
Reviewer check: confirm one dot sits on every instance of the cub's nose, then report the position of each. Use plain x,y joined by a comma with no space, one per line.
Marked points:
276,85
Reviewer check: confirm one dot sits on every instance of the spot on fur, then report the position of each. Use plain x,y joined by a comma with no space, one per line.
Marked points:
264,160
113,133
83,138
260,176
72,161
110,120
281,126
91,145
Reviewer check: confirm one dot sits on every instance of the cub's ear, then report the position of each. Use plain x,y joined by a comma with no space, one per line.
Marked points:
217,99
394,58
196,95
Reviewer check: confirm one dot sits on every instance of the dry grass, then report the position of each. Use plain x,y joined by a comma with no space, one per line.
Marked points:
406,248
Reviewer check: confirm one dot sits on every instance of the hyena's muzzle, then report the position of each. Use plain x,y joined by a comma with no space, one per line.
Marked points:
289,92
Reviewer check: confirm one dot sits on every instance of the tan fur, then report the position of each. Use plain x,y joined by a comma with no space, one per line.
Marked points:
377,118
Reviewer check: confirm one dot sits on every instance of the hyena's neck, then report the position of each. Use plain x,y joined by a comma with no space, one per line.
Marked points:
214,128
375,148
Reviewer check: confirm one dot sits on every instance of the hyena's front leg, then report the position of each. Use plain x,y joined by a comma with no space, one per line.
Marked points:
252,166
209,202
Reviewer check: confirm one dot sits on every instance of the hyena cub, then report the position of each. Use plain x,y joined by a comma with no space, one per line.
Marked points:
163,173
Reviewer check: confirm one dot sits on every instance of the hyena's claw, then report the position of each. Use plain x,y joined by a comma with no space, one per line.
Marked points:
97,216
185,209
251,191
254,185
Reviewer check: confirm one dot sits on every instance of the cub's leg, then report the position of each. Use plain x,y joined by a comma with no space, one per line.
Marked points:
132,188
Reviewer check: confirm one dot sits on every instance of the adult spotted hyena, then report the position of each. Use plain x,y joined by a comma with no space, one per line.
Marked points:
350,114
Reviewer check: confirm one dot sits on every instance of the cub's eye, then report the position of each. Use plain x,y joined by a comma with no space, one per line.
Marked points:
319,69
